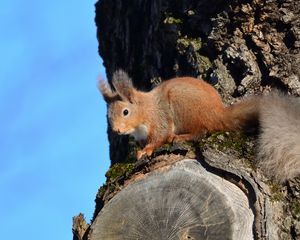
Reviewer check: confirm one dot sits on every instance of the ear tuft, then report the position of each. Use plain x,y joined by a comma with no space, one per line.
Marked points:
123,84
106,91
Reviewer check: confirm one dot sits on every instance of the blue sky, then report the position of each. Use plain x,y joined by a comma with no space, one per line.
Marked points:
53,150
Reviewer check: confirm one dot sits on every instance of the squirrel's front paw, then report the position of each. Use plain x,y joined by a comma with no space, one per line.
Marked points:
141,153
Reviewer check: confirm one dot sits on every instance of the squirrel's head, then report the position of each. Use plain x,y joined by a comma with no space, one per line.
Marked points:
124,117
123,111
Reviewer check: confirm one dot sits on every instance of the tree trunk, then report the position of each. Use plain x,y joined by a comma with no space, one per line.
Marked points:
211,190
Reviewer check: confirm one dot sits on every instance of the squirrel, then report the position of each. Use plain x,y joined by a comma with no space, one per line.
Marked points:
186,108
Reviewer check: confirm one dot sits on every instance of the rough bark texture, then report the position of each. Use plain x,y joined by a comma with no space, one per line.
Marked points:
241,47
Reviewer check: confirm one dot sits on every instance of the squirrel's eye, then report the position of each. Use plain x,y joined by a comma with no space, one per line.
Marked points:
125,112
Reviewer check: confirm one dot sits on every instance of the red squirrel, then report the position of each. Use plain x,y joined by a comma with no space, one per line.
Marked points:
180,109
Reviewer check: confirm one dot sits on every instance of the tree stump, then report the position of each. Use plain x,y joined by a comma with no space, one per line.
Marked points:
183,201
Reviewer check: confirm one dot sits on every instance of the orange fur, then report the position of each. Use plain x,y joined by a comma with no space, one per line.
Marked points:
186,108
179,109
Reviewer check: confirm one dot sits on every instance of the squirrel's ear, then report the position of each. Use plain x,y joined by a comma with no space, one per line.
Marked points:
108,95
123,85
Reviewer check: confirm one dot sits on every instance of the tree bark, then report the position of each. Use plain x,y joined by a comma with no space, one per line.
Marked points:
241,48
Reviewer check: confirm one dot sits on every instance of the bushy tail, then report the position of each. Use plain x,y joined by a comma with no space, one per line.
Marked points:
278,117
243,115
279,140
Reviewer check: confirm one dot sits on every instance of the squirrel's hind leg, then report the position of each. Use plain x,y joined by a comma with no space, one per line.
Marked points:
182,137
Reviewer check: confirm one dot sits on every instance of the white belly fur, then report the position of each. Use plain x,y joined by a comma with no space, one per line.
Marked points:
140,133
